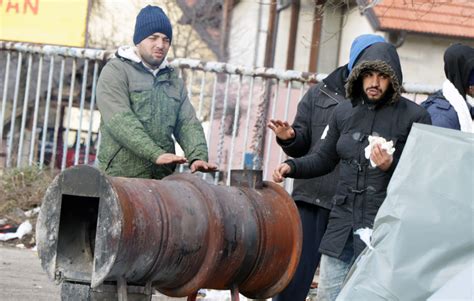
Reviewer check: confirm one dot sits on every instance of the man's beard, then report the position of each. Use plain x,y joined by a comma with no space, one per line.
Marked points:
380,101
154,62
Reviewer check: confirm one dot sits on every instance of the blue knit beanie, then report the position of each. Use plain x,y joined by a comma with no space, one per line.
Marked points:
360,44
151,19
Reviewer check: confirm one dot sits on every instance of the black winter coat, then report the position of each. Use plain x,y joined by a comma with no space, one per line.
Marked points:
314,112
361,189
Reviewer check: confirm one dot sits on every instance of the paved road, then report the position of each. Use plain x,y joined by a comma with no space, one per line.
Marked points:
23,279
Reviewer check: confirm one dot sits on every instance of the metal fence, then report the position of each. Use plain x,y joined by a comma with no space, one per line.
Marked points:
49,116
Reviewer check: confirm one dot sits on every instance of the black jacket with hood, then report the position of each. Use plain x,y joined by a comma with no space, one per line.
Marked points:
310,125
361,189
314,112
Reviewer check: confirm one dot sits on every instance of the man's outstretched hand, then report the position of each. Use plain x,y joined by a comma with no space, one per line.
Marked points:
203,166
280,172
169,158
198,165
282,129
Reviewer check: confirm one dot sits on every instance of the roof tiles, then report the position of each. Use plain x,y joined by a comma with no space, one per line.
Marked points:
439,17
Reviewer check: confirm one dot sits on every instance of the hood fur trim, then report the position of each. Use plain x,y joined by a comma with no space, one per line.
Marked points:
354,83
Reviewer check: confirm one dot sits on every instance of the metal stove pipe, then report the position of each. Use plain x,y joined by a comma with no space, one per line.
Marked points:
179,234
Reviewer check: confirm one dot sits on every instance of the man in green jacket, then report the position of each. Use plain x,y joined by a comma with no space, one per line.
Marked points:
143,104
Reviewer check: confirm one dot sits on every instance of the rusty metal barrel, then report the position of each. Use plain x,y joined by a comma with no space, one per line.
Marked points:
180,234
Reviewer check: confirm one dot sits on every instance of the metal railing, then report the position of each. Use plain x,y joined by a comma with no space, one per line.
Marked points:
49,116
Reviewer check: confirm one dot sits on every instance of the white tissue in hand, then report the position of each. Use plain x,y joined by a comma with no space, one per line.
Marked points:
386,145
365,235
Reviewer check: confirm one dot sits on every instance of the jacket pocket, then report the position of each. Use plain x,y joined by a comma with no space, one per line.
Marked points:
173,92
339,200
322,113
324,99
109,162
141,103
171,105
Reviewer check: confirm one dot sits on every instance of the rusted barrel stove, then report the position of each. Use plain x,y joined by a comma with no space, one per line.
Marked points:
180,234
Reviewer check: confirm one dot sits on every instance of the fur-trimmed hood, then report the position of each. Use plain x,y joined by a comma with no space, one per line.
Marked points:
380,57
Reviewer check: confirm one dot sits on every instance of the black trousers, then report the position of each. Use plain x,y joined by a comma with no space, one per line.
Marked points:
314,220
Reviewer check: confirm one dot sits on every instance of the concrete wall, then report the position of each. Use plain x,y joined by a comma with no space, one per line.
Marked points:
353,25
243,33
422,58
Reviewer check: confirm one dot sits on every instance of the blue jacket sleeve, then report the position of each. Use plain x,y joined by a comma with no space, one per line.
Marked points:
441,112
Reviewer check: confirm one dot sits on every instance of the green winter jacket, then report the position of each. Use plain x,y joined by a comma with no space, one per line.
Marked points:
140,113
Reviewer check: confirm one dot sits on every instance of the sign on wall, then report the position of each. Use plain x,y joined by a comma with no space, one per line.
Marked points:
59,22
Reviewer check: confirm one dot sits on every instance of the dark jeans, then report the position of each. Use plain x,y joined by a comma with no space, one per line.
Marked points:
314,220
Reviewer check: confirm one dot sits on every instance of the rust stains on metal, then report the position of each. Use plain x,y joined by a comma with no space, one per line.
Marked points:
179,233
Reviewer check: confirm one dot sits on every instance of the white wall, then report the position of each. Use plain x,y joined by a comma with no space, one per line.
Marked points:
115,22
283,35
422,58
353,25
303,36
330,37
244,23
243,31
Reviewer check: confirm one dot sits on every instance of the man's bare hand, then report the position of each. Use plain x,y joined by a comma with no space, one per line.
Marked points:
282,129
381,158
170,158
203,166
280,172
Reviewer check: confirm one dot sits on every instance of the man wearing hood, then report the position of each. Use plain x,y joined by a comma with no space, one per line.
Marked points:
376,109
453,107
143,103
313,197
